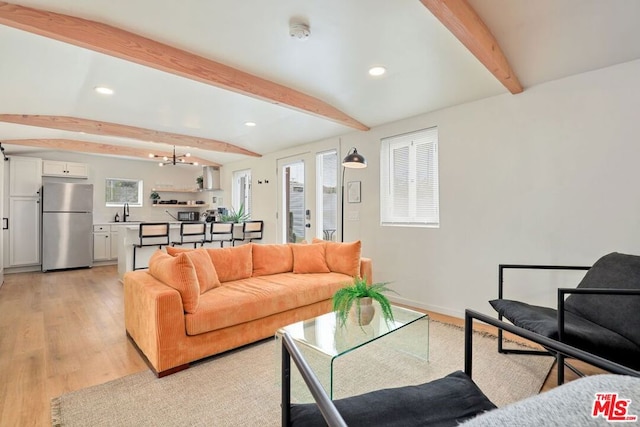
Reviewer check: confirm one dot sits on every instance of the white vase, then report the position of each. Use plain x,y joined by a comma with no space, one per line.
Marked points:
367,310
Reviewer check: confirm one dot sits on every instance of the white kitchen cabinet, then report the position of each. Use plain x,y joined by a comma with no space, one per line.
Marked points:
64,169
24,231
105,242
25,177
101,246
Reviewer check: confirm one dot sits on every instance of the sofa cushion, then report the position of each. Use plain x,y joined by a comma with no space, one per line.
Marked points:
233,263
443,402
342,257
206,272
309,259
173,251
271,259
245,300
177,272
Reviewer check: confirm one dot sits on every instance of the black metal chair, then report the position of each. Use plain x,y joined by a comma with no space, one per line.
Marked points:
251,230
601,316
220,232
191,230
151,234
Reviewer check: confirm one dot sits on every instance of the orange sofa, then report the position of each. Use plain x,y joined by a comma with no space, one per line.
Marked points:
191,304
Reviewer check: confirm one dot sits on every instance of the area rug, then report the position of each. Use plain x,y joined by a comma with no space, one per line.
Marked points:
241,387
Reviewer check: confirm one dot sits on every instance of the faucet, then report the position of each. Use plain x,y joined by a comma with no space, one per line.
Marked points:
125,212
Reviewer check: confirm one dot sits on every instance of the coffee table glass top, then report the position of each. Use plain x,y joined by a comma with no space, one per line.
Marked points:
322,341
323,333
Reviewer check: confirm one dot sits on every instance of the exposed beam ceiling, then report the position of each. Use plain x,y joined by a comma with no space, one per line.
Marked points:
91,147
95,127
123,44
460,18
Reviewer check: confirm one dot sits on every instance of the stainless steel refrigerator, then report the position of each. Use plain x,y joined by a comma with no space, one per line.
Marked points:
67,225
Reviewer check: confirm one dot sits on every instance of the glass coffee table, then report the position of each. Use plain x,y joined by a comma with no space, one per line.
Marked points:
322,342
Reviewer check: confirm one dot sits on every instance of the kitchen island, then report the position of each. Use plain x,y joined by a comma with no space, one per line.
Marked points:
128,236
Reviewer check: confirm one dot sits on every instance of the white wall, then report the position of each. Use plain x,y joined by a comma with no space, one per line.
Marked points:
101,167
548,176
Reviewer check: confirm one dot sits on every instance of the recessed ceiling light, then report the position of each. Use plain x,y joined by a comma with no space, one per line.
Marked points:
250,124
103,90
377,71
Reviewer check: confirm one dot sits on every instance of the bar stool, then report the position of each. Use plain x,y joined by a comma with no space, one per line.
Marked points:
151,234
190,230
221,232
251,230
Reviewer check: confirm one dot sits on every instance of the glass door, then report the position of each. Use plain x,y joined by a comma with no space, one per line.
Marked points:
308,197
292,211
327,195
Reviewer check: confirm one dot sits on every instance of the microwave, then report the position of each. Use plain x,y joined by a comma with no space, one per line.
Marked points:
188,216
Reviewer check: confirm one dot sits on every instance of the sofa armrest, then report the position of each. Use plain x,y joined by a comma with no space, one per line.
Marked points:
366,269
154,315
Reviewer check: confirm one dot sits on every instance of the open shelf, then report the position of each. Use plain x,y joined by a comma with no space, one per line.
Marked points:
169,205
176,190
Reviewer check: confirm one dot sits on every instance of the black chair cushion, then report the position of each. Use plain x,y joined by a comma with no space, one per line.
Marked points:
579,332
444,402
620,313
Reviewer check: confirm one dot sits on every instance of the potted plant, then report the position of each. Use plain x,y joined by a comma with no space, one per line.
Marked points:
234,216
356,301
200,181
154,197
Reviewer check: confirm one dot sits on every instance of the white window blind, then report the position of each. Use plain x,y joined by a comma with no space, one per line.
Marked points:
409,179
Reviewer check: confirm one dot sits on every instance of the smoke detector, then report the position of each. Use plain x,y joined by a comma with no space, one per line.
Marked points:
299,31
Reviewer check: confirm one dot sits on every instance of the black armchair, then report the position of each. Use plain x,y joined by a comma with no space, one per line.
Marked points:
601,316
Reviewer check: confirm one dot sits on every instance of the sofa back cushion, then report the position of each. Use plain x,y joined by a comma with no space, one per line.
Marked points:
233,263
342,257
177,272
309,259
619,313
271,259
206,272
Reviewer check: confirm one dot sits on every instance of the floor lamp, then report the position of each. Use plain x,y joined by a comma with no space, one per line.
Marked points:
352,161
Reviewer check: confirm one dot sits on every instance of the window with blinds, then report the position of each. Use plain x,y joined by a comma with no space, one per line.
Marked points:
409,179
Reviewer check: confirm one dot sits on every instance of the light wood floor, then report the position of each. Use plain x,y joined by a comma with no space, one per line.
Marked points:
59,332
63,331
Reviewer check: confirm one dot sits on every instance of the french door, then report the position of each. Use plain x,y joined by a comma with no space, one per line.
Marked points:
307,197
294,213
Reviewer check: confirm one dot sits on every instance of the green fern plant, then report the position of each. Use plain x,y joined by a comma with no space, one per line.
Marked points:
234,216
344,299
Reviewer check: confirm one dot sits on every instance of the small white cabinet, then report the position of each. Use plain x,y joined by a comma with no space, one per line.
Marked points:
25,178
105,242
65,169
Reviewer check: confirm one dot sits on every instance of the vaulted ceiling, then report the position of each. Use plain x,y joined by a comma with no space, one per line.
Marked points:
192,73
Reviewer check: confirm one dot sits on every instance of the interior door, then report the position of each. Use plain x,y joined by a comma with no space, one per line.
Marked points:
296,199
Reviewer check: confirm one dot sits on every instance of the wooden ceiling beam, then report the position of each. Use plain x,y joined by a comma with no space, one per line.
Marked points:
463,21
95,127
97,148
132,47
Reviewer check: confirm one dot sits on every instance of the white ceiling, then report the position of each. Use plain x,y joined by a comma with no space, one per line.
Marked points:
428,68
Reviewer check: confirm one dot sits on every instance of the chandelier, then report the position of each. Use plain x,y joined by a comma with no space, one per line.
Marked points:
174,160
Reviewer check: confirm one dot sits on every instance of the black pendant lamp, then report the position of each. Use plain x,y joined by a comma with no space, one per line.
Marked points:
353,161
